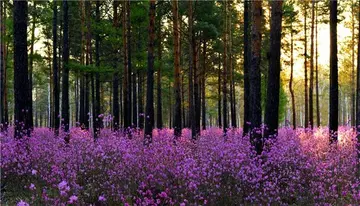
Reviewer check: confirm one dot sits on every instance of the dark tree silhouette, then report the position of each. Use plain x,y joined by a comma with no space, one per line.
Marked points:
56,91
273,86
177,109
334,90
247,59
255,77
116,121
65,72
311,87
159,119
21,80
149,110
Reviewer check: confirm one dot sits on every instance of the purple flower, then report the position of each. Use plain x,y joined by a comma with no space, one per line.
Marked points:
22,203
102,198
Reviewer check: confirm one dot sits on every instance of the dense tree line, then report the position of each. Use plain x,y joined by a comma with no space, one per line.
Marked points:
133,65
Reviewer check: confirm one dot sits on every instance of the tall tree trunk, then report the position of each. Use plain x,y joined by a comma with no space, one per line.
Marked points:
231,70
317,70
177,109
358,95
306,72
291,78
141,99
96,103
203,79
192,110
3,60
56,91
311,88
65,73
353,74
149,110
129,65
127,96
31,65
225,74
116,122
334,90
88,62
159,120
219,93
247,65
255,77
21,80
273,83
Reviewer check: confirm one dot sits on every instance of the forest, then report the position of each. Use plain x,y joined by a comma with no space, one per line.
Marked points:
168,102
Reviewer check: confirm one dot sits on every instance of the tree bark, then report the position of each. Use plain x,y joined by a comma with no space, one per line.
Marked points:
273,83
334,91
177,110
305,72
317,71
203,79
219,94
225,73
96,105
21,80
353,74
56,91
65,73
192,110
149,110
291,78
129,65
247,59
311,88
159,119
31,65
116,122
255,77
3,60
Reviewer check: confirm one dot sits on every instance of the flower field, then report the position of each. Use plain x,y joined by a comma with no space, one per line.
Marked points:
298,168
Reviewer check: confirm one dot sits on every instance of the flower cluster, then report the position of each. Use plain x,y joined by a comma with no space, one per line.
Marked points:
298,167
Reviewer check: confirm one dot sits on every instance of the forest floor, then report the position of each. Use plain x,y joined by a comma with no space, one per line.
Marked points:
298,168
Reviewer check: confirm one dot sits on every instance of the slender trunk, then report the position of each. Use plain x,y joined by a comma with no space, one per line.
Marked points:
311,88
317,70
203,103
141,99
129,65
149,110
177,111
126,86
192,110
334,91
358,94
231,73
219,93
305,67
3,60
273,83
21,80
159,120
247,59
255,77
224,86
96,103
65,73
291,78
115,94
56,91
31,66
353,92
